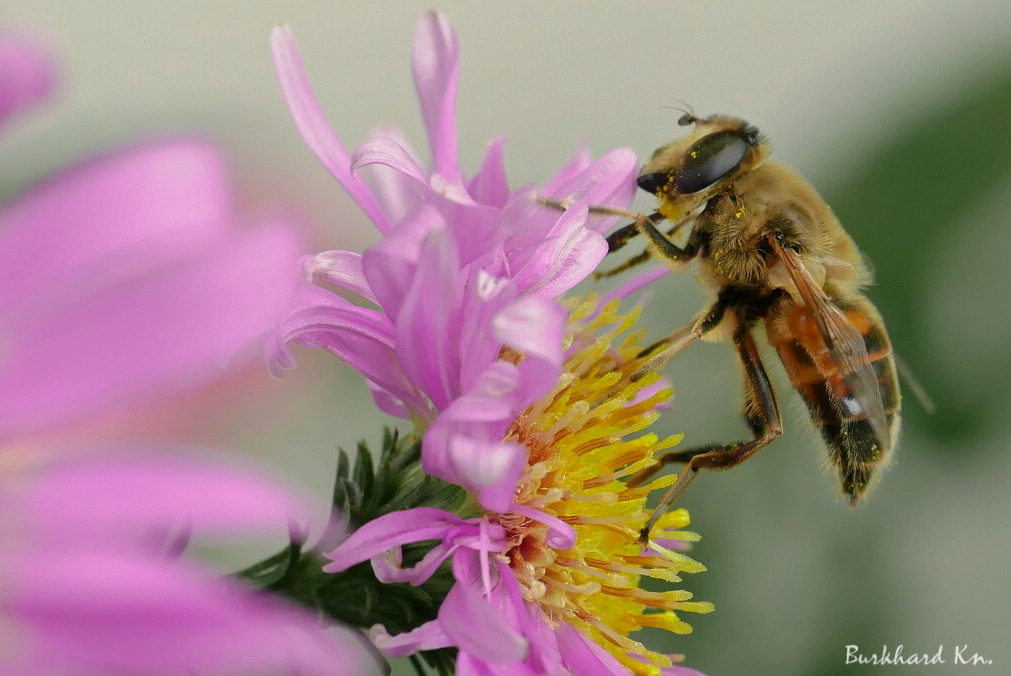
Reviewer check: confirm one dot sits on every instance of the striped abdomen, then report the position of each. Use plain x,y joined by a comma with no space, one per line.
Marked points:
853,447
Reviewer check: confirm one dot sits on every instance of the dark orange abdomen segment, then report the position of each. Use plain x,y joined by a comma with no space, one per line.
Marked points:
853,446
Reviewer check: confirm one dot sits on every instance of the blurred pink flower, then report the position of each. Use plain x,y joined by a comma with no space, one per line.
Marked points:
91,585
26,73
128,277
467,268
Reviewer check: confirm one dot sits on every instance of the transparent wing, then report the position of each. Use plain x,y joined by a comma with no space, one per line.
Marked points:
844,343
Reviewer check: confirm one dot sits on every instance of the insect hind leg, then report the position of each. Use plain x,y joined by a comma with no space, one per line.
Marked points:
762,411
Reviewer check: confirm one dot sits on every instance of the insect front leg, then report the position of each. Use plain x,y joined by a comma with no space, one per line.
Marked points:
619,237
761,411
671,345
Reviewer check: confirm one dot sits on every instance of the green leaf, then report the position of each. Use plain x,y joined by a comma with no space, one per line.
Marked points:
373,487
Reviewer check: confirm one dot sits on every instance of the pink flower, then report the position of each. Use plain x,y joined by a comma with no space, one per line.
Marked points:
127,278
520,397
91,585
550,585
467,269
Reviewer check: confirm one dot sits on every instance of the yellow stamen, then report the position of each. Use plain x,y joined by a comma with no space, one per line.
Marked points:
581,456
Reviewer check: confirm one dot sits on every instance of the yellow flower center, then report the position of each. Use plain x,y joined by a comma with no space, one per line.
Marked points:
581,462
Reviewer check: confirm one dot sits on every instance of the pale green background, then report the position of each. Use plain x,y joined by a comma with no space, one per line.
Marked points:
846,92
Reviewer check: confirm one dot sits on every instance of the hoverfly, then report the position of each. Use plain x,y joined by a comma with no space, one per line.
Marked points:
769,251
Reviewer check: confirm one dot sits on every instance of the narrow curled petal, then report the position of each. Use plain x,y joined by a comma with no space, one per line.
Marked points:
388,569
26,73
387,151
398,192
428,636
436,62
343,269
393,530
312,124
359,336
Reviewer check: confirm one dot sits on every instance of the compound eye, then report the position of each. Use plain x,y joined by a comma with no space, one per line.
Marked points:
653,182
710,160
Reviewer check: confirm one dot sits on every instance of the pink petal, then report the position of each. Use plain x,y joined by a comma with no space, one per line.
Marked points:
436,60
477,228
679,671
312,124
361,337
576,164
534,327
471,665
144,337
490,468
343,269
381,149
637,283
560,536
428,636
130,494
103,220
490,185
390,404
88,613
486,297
387,568
609,180
429,320
569,254
391,264
584,657
393,530
662,383
26,73
464,445
473,625
453,191
398,192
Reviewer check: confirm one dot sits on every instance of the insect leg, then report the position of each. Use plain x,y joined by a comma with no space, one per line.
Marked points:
762,412
671,345
630,263
620,237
